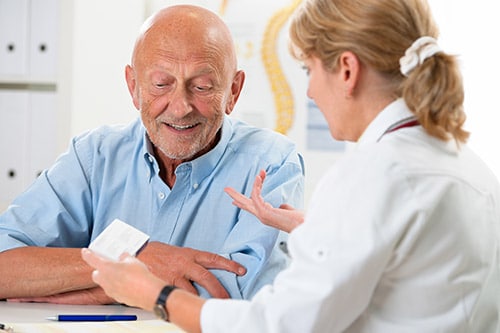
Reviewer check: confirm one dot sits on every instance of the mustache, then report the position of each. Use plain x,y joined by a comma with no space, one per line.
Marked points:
180,123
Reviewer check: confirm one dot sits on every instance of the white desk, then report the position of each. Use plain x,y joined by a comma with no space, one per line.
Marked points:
38,312
31,318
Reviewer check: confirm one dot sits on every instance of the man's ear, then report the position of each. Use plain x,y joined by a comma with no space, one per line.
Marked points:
350,66
236,87
132,85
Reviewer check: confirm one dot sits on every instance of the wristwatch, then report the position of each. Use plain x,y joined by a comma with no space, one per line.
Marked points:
160,308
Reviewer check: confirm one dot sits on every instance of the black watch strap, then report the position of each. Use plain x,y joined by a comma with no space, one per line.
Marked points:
161,301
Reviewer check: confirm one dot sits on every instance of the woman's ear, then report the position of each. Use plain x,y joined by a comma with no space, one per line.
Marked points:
236,87
349,66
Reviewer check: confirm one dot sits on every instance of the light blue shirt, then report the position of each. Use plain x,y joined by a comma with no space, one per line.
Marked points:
111,173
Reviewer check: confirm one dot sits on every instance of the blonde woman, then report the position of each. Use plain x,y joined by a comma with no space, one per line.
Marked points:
402,234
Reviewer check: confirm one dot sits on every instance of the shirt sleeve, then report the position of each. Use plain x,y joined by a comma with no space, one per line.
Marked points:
255,245
54,210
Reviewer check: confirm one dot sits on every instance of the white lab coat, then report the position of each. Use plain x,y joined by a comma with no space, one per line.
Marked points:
401,235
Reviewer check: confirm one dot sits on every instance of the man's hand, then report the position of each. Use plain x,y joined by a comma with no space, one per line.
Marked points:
181,266
285,217
92,296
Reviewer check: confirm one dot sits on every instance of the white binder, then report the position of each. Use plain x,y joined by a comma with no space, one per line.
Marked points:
14,38
42,134
13,120
43,49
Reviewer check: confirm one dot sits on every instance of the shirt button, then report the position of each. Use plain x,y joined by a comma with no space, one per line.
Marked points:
150,158
161,195
195,186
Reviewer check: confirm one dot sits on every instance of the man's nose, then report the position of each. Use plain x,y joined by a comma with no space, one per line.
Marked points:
180,102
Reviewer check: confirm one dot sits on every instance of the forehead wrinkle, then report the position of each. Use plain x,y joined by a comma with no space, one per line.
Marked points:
199,63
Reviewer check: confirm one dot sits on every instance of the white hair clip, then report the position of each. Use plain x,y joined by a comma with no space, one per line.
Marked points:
421,49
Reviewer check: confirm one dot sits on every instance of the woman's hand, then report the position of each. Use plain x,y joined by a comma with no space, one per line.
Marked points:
285,217
128,281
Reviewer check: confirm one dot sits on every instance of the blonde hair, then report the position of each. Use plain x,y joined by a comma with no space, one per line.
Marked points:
379,32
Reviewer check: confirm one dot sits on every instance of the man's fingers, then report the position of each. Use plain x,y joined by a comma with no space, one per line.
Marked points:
207,280
215,261
186,284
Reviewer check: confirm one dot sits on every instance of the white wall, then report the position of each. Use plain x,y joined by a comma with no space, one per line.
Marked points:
103,37
469,29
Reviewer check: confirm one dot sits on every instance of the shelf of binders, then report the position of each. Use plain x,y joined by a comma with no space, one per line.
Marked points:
29,49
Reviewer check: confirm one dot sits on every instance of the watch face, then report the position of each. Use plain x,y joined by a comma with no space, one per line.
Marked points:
160,312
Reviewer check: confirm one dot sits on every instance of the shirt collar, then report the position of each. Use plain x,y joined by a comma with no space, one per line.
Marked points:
148,153
395,113
201,166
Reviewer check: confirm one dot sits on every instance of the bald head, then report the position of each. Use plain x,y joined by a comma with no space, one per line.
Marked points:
184,80
190,31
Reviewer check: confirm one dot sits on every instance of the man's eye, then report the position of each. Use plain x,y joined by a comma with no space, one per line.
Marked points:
202,88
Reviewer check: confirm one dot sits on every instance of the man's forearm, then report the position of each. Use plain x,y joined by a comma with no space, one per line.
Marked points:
40,271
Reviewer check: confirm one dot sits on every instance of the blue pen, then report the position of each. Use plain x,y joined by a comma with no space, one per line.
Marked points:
85,317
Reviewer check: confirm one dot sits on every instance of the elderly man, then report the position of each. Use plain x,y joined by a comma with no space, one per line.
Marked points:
164,174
